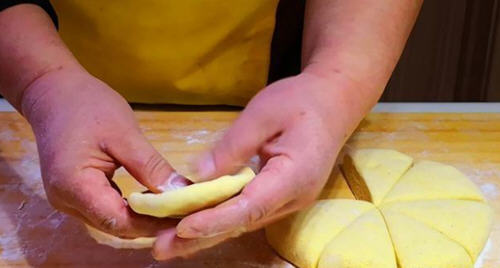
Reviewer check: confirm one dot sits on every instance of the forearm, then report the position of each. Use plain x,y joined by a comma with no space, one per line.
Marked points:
30,47
356,43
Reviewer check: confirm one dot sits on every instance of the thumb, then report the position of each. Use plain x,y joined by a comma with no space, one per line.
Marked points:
241,141
143,162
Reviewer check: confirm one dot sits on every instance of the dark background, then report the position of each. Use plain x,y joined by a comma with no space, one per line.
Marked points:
453,54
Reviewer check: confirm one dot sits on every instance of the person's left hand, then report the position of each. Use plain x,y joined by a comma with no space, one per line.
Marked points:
297,127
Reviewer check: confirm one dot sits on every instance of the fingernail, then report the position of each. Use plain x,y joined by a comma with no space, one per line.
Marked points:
206,166
174,181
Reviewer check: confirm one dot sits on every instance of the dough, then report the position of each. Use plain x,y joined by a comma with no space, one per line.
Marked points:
176,202
417,245
302,237
364,243
466,222
425,215
116,242
373,172
191,198
432,180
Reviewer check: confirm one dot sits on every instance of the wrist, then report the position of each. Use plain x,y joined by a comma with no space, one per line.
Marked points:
355,95
43,92
345,102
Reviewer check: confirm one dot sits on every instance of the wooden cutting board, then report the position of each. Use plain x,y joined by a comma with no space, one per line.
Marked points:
33,234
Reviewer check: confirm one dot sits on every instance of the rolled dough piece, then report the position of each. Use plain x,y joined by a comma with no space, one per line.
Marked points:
365,243
176,202
191,198
432,180
302,237
116,242
466,222
417,245
371,173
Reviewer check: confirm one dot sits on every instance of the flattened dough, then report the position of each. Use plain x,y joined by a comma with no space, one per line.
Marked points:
371,173
176,202
466,222
431,180
302,237
116,242
191,198
365,243
419,246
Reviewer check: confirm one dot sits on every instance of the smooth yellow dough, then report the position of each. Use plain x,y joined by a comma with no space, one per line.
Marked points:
181,201
373,172
302,237
419,246
432,180
463,221
116,242
428,215
128,185
363,243
194,197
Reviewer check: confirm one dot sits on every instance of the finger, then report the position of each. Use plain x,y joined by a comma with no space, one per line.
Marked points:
94,198
143,162
291,179
262,198
168,245
239,143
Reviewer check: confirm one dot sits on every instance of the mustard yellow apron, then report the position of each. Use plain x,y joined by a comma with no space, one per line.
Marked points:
185,51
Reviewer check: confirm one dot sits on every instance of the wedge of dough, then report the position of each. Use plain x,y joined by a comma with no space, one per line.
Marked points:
431,180
466,222
419,246
116,242
302,237
191,198
365,243
371,173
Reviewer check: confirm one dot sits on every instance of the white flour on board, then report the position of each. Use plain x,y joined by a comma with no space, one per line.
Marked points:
200,136
8,135
486,252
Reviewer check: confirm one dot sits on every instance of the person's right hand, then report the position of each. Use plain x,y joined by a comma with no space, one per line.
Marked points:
84,132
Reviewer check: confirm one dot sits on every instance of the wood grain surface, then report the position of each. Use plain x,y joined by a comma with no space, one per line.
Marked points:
33,234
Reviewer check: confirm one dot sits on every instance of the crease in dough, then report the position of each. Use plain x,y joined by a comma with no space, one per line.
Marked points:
364,243
302,237
466,222
417,245
372,173
432,180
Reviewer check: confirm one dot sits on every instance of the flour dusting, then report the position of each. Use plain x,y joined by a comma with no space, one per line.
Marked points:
486,251
8,135
197,137
10,246
490,190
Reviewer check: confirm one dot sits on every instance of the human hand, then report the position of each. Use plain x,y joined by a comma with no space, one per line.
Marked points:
297,127
84,132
